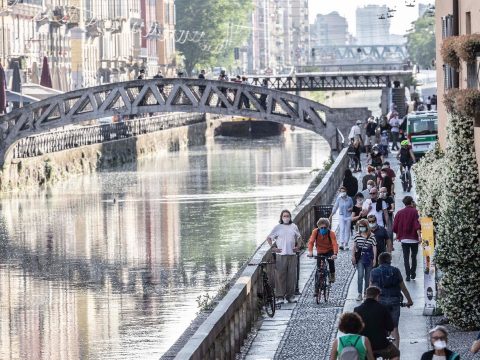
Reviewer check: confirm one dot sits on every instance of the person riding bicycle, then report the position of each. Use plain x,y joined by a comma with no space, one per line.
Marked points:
406,155
325,242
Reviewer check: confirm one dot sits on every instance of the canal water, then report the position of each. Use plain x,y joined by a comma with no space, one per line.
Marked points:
110,265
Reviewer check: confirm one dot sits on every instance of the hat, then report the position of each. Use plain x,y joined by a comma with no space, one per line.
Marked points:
359,122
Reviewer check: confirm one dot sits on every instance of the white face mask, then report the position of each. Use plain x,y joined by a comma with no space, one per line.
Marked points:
286,220
369,187
343,194
359,201
440,345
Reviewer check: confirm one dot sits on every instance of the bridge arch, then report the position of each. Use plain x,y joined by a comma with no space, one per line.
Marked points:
163,95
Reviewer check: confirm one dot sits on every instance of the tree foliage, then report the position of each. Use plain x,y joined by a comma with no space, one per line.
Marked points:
421,41
208,30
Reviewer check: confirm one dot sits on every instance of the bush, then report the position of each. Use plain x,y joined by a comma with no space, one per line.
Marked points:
449,52
458,228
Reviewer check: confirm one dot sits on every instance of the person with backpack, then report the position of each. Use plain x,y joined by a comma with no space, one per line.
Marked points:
325,242
364,255
390,281
352,345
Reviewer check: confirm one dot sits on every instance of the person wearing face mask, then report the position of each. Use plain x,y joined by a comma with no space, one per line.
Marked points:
439,339
366,192
386,182
344,205
375,157
369,176
377,207
288,241
325,242
384,243
357,211
383,194
364,255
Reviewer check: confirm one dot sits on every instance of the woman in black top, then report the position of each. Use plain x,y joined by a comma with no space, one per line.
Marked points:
357,212
351,183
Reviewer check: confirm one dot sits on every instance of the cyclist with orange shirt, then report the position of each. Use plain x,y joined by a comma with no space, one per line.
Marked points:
325,242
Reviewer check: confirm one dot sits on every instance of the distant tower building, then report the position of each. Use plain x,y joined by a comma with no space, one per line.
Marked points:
373,25
422,8
328,30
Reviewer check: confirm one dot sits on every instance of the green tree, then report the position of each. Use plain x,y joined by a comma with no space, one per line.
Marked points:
208,30
421,41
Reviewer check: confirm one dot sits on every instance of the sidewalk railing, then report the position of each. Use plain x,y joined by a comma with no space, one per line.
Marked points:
222,334
87,135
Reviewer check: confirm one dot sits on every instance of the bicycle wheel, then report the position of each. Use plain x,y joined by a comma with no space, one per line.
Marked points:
326,292
409,180
269,302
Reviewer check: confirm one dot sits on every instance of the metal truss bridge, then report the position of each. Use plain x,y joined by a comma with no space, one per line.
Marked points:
159,96
338,80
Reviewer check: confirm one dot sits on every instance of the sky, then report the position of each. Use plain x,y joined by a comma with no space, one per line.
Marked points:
346,8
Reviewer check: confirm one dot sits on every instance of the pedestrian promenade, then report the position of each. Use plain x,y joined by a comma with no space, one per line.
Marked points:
306,330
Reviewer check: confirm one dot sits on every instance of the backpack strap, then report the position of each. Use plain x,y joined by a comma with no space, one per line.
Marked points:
341,342
356,341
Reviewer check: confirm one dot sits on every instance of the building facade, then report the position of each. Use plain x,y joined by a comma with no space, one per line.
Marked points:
88,42
329,30
455,17
373,25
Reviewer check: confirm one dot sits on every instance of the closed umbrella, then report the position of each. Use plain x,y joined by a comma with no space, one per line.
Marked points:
3,91
45,79
16,79
34,77
55,78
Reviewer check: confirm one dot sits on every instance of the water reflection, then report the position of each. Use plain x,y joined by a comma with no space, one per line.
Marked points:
109,266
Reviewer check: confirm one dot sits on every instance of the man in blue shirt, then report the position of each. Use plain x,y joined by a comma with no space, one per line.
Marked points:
390,281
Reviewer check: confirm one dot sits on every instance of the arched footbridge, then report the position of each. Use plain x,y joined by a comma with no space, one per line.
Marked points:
165,95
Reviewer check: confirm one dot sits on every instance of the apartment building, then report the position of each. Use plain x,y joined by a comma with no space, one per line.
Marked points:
456,17
90,41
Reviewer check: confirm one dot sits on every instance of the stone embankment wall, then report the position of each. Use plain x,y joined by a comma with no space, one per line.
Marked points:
222,334
50,168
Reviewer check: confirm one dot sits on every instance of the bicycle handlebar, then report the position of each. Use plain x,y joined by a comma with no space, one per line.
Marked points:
320,256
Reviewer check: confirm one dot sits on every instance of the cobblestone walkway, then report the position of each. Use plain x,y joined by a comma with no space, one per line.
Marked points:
312,327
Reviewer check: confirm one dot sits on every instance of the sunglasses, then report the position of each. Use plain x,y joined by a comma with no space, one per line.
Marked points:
372,222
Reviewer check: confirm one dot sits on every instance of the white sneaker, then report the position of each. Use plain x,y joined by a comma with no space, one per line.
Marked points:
359,297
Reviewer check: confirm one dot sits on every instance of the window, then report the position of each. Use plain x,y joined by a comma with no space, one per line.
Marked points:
473,70
448,72
468,23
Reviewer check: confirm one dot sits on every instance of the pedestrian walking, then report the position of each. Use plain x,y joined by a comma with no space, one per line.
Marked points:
390,173
389,279
407,227
394,130
375,157
364,255
263,97
370,133
383,194
352,345
378,325
429,103
244,101
383,240
201,88
366,192
386,182
439,341
369,176
377,207
350,182
344,205
356,132
325,242
357,211
288,241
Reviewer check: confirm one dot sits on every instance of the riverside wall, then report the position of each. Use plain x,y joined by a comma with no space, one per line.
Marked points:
18,174
222,333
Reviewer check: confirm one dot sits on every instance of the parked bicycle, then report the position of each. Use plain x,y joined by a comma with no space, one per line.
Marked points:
322,283
268,292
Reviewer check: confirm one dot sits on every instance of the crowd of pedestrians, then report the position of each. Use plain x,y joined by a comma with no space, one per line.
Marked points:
368,226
